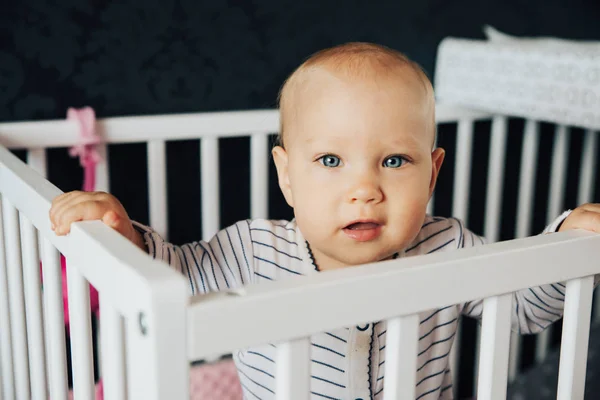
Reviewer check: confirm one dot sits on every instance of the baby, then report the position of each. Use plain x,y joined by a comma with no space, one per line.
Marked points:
355,161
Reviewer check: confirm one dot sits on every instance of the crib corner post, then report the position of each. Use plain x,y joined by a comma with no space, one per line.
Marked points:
158,366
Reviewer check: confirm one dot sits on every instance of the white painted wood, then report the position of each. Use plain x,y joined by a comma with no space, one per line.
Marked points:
157,185
462,169
146,128
482,271
113,352
34,196
102,169
209,159
7,377
62,133
558,177
80,333
514,356
54,321
157,366
462,180
493,206
558,172
401,357
588,168
16,300
36,159
259,176
430,205
495,341
527,178
144,285
33,303
524,210
575,335
293,370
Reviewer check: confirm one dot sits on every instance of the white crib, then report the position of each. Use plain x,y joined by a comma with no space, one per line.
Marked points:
151,329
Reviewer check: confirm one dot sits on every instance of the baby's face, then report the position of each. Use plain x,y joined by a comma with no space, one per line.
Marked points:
358,167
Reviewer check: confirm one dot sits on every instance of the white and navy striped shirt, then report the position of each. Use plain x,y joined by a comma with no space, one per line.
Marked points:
347,362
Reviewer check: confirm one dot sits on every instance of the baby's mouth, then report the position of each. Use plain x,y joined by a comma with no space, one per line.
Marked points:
362,231
362,226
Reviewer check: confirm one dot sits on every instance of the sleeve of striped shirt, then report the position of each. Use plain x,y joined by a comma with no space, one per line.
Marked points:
224,262
534,308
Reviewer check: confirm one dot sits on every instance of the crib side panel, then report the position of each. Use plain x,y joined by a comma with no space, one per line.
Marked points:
132,283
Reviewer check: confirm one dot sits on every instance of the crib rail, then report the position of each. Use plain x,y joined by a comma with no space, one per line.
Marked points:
62,133
149,298
389,291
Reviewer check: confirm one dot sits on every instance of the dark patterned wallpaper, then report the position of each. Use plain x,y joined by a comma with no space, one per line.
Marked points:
141,57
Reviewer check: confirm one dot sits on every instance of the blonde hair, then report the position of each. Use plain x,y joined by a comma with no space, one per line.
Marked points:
355,60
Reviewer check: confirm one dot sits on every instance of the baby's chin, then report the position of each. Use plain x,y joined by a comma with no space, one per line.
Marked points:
364,257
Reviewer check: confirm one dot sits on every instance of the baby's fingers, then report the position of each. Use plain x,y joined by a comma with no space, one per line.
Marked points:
79,211
585,217
114,221
59,202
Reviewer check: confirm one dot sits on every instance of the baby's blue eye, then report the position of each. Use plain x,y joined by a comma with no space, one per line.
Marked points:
394,162
330,161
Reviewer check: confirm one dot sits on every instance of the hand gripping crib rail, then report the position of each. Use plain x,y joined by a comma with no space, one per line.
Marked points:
150,329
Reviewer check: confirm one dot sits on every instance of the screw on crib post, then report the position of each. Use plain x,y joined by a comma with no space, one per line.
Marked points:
143,323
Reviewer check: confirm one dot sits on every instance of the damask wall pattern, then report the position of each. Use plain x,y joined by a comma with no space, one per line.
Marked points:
134,57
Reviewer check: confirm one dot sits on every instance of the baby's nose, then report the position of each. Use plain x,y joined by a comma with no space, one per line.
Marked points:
366,191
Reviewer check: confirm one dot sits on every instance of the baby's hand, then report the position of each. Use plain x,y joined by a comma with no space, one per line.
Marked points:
585,217
85,206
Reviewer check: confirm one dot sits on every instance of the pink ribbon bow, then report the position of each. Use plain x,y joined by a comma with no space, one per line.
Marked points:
85,149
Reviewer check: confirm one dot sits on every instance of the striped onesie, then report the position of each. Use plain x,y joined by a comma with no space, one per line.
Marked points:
347,363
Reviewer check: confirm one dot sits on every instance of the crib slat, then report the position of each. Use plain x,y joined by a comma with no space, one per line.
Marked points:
54,320
113,352
293,370
557,190
33,301
36,159
259,176
17,301
529,156
574,342
588,168
462,179
7,377
559,172
102,177
462,169
210,187
495,337
495,179
527,178
81,333
401,357
157,185
493,205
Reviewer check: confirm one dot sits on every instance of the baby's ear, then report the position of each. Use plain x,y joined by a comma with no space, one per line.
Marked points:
280,157
437,159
